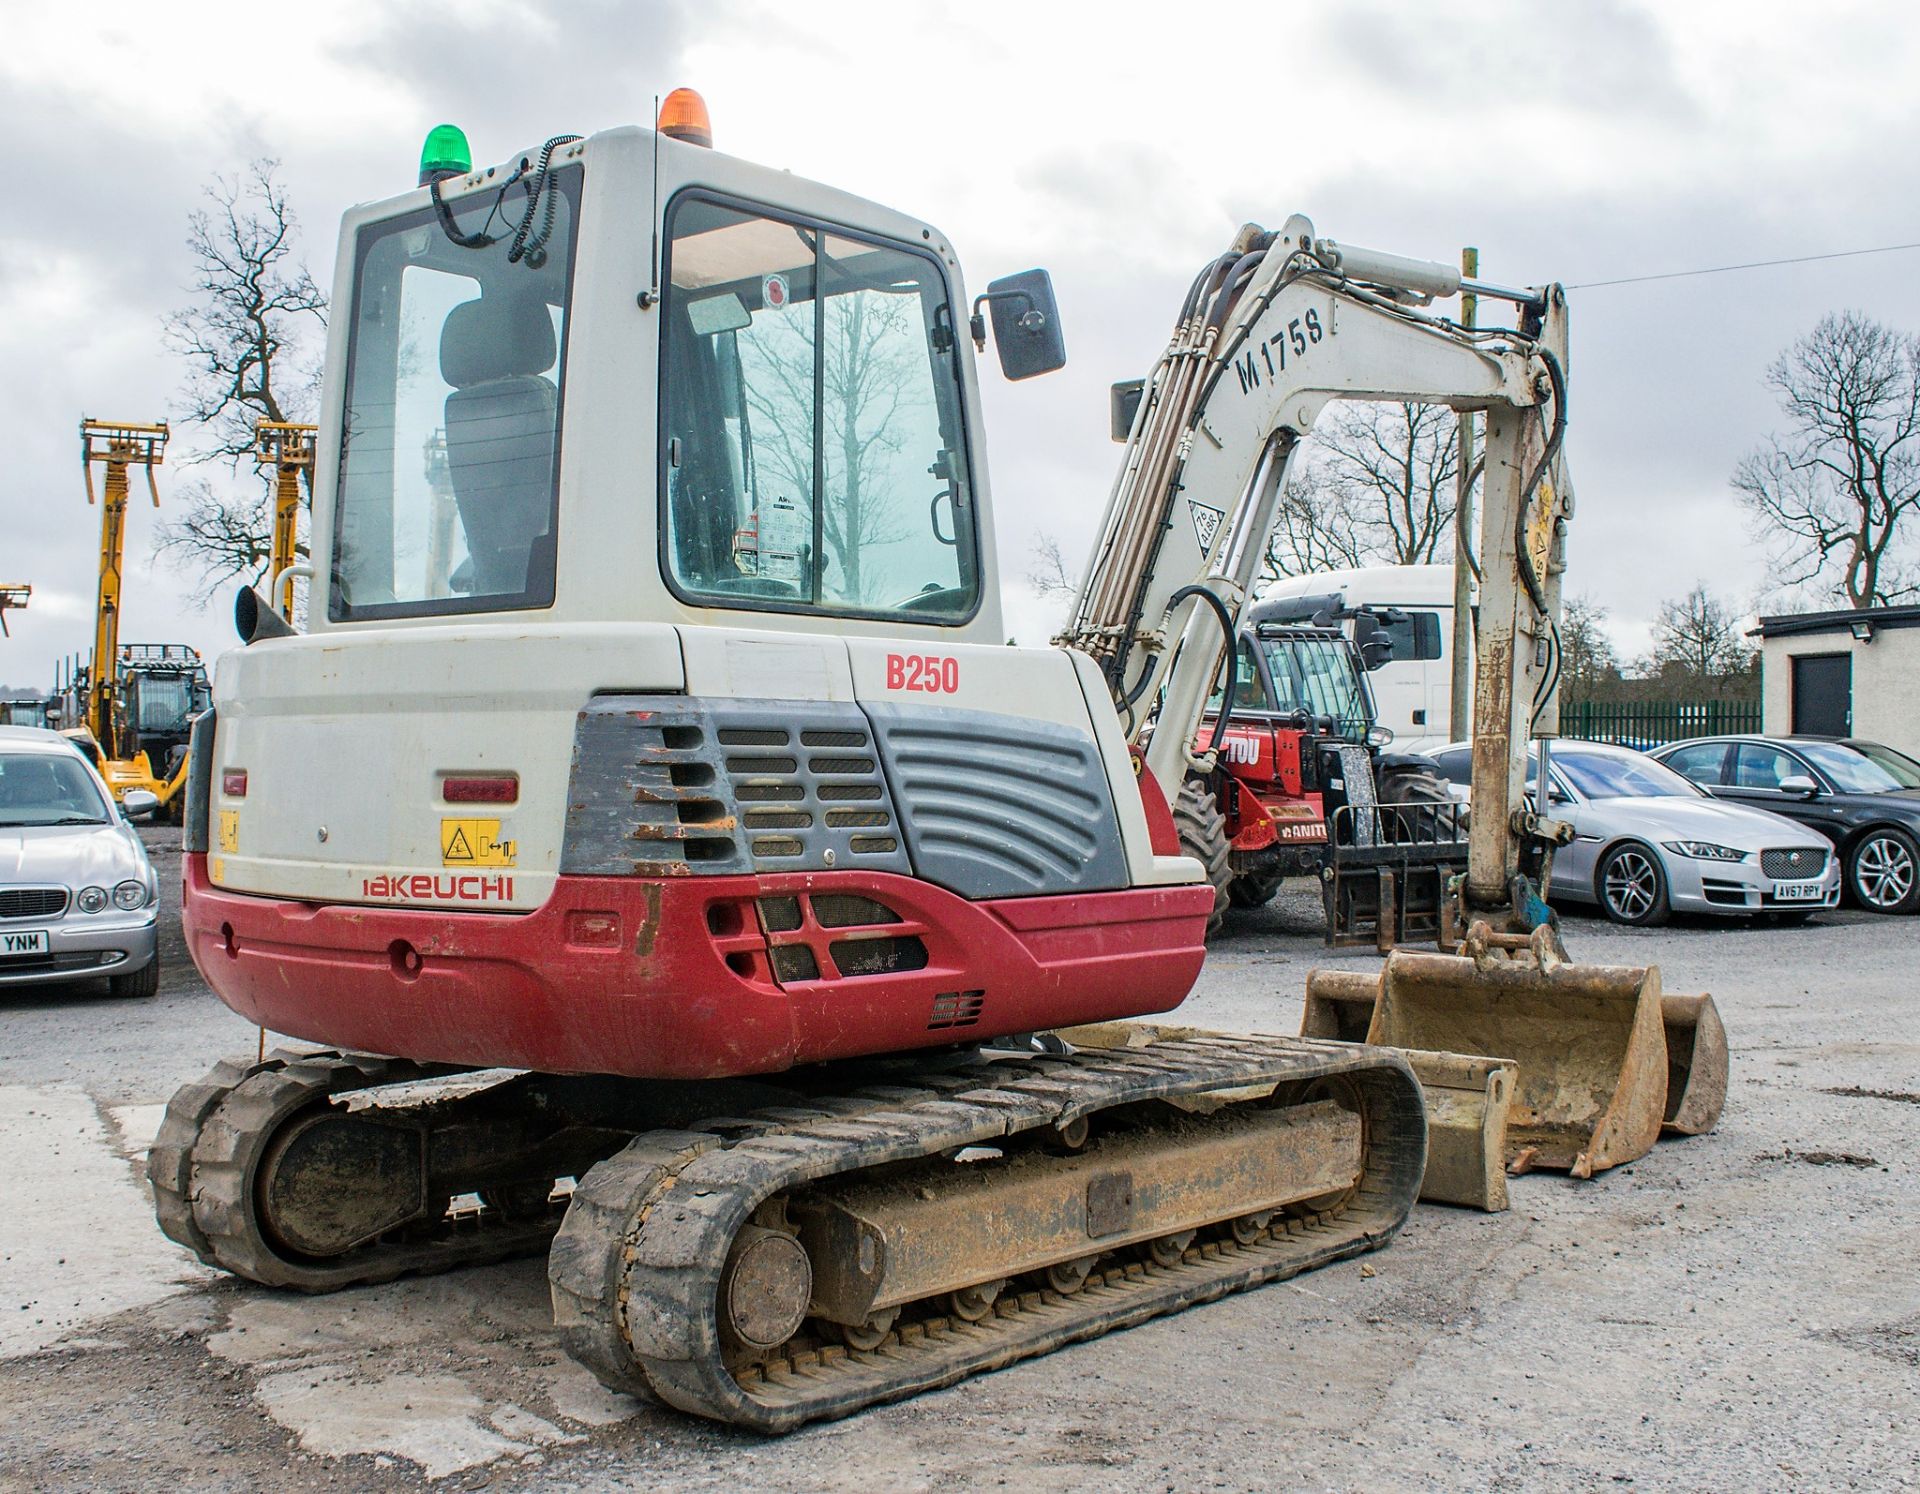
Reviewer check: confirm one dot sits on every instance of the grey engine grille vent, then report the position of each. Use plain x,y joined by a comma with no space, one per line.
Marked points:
665,785
807,779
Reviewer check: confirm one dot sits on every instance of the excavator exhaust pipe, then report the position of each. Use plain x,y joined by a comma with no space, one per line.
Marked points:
1597,1062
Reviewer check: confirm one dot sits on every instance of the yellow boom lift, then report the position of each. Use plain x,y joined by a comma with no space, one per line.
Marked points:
13,594
116,446
287,448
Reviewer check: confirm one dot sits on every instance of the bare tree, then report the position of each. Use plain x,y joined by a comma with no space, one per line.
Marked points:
1698,636
248,339
1835,491
1392,467
1313,530
1047,571
1587,655
866,375
1376,488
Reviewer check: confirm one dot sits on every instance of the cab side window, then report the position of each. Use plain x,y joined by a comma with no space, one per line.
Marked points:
1758,766
1705,763
1248,693
1415,639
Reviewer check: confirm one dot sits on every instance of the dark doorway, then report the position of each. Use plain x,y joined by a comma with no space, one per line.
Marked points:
1823,695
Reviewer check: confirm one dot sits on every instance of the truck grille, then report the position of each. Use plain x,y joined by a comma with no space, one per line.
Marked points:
32,902
1797,865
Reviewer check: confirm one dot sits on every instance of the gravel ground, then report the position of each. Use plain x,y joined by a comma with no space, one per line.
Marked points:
1727,1313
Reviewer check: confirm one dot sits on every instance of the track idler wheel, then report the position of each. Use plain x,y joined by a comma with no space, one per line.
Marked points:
331,1181
1070,1276
864,1336
1169,1250
765,1287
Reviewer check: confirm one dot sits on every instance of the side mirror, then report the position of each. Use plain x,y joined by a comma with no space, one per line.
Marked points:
1374,642
1123,406
1799,786
1026,324
139,804
1557,795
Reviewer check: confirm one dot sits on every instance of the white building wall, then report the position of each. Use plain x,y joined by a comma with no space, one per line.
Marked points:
1886,682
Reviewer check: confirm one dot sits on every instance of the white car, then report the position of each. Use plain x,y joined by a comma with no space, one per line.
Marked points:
78,897
1648,842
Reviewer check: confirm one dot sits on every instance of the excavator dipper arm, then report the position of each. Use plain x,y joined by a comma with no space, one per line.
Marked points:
1272,332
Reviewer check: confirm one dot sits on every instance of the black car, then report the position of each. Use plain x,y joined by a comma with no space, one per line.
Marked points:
1863,796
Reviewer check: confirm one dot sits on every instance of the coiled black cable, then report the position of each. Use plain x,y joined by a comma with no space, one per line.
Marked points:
534,248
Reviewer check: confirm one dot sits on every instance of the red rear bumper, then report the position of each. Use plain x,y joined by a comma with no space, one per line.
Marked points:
676,979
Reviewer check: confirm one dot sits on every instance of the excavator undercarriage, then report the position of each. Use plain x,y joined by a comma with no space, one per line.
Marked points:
845,1236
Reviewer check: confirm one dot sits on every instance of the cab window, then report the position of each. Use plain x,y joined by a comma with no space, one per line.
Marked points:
1704,763
450,457
1415,638
813,455
1248,693
1758,766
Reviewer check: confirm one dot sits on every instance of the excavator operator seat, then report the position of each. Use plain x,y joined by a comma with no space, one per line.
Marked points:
496,353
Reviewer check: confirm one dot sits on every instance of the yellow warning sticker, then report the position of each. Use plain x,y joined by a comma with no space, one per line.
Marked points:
217,869
230,830
474,843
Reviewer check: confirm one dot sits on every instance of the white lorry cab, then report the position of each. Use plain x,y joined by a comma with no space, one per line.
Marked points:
1413,691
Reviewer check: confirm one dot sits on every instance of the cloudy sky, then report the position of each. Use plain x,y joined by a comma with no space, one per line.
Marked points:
1119,145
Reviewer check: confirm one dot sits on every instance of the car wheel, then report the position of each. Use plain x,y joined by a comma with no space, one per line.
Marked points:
138,986
1883,871
1632,886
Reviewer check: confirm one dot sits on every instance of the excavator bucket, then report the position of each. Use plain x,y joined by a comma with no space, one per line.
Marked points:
1468,1095
1594,1073
1696,1064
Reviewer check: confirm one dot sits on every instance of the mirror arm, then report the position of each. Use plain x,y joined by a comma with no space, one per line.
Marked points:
1031,320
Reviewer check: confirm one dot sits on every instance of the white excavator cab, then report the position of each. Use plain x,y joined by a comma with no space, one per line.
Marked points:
564,455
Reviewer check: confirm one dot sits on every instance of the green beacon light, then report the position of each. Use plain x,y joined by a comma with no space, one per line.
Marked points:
445,154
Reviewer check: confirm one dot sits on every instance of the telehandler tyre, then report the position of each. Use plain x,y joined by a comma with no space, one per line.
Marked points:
1203,836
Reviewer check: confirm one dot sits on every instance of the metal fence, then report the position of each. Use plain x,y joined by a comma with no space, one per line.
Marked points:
1646,724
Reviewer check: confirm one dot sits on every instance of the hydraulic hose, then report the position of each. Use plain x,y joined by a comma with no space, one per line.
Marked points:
1233,655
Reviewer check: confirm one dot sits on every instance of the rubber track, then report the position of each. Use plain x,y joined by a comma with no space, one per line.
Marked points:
635,1269
203,1162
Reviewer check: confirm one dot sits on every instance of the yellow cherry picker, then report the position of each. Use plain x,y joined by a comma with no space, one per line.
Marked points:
131,705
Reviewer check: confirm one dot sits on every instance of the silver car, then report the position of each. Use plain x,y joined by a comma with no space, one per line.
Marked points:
1647,841
78,897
